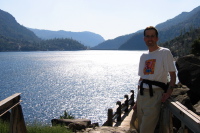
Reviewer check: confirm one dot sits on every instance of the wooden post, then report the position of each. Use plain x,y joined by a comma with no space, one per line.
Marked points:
132,98
17,124
119,111
110,115
126,103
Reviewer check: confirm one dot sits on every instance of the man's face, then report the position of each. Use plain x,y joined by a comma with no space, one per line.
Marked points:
150,38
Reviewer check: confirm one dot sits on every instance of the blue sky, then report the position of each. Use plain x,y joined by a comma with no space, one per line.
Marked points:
109,18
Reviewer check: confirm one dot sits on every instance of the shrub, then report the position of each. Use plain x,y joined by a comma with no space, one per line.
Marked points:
67,116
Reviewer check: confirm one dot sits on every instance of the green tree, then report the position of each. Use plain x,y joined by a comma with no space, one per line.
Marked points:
196,47
67,115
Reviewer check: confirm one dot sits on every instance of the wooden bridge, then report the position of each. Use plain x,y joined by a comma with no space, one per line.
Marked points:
121,115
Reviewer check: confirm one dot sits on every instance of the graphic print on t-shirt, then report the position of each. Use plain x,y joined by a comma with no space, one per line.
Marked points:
149,66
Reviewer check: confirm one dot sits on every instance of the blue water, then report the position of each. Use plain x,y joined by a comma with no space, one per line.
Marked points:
84,83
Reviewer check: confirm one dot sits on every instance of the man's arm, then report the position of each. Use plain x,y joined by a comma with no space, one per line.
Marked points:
171,86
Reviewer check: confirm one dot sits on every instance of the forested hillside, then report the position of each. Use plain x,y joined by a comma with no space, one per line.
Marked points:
182,45
89,39
15,37
61,45
10,29
168,30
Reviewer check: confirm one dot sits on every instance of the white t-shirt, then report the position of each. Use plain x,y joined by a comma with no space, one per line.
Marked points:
156,65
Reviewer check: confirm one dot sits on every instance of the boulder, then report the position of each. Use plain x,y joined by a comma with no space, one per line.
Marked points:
197,108
181,95
66,122
77,126
189,74
107,129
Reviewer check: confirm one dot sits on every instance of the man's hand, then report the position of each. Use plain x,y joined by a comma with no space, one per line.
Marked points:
165,96
135,107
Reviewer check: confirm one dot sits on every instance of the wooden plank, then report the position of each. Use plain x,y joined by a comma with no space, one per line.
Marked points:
126,121
9,102
17,124
192,114
2,113
185,116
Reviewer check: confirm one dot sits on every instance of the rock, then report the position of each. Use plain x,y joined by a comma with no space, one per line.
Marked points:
77,126
179,90
66,122
189,74
107,129
181,95
93,125
197,107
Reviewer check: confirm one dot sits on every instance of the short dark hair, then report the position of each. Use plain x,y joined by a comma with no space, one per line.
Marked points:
151,28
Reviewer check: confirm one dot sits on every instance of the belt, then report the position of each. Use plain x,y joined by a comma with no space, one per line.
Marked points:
150,83
154,89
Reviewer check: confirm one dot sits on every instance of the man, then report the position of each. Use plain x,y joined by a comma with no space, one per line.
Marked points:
154,67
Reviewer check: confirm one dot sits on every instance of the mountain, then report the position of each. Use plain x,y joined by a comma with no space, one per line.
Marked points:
112,44
184,16
182,45
168,30
15,37
9,28
87,38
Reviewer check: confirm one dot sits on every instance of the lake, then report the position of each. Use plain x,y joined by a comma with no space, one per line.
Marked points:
84,83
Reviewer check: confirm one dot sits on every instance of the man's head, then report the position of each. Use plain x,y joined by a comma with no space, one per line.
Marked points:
151,28
151,38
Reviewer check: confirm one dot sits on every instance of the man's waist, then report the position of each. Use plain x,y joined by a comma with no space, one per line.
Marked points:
147,89
146,86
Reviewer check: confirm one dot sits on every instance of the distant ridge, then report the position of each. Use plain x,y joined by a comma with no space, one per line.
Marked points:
112,44
89,39
9,28
15,37
167,30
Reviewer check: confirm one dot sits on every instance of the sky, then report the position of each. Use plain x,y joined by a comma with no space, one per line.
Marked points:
108,18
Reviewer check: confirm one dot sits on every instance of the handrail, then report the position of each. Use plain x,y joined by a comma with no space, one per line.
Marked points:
121,106
186,116
17,124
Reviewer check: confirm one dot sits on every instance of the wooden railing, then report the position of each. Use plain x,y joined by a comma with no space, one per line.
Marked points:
17,124
115,114
188,119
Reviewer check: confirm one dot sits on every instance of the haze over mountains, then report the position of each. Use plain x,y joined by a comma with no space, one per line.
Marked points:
12,33
167,30
86,38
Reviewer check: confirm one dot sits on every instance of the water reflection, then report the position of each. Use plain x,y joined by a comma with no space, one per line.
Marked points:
84,83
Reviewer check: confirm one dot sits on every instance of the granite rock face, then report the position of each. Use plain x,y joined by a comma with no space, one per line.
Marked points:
189,74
